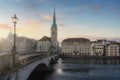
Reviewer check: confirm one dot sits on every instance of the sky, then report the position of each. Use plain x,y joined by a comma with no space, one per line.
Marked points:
75,18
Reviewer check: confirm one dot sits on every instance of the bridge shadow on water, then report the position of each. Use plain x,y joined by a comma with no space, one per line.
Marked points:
39,75
41,71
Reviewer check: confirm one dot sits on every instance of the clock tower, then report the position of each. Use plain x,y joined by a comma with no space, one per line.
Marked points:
54,31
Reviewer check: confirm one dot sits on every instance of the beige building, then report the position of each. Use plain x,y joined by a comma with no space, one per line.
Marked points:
76,46
112,49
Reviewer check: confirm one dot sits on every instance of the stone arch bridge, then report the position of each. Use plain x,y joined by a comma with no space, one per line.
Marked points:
25,71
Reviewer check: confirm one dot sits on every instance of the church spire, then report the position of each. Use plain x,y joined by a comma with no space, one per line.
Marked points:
54,30
54,20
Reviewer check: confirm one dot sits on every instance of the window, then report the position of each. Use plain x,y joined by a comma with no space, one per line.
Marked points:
53,33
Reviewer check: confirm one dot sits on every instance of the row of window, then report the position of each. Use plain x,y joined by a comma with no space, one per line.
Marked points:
113,46
76,42
99,45
112,54
75,53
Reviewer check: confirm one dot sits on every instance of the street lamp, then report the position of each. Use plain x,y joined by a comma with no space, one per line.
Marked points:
14,50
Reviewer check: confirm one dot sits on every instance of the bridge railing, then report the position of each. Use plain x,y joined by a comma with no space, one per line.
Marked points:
28,57
5,62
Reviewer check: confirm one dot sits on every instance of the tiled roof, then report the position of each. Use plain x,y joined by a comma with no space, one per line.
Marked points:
113,43
76,40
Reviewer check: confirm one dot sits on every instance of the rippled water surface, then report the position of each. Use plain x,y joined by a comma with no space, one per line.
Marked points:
77,69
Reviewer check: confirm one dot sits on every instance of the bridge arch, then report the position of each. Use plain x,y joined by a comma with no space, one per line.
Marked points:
52,61
39,72
26,71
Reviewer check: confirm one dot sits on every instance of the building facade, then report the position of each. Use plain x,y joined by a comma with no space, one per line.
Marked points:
112,49
23,44
76,46
43,44
97,48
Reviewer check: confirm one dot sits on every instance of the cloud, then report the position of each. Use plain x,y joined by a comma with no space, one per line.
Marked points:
4,29
5,26
61,25
90,6
33,24
30,4
47,17
18,0
35,1
96,7
32,29
114,9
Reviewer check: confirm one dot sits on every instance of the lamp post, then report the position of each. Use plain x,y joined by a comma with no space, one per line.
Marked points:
14,50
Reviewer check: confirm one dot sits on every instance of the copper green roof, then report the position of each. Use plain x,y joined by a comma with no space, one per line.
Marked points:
54,25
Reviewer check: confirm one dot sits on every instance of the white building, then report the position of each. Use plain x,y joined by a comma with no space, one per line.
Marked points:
76,46
7,44
23,44
43,44
112,49
97,48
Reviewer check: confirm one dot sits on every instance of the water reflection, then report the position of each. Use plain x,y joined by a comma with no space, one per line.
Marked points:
92,61
59,67
59,71
59,61
85,69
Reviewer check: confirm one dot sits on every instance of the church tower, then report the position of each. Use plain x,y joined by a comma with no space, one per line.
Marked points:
54,31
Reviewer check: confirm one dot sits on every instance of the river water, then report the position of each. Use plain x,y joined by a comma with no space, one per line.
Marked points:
82,69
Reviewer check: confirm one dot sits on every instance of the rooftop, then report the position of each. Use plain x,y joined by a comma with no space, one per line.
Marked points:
76,40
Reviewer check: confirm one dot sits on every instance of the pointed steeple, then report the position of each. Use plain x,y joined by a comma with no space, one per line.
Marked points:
54,20
54,30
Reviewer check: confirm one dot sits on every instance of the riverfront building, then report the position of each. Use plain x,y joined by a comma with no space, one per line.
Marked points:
112,49
76,46
85,47
97,48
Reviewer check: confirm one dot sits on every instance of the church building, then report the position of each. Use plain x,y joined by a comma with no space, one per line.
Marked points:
49,44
